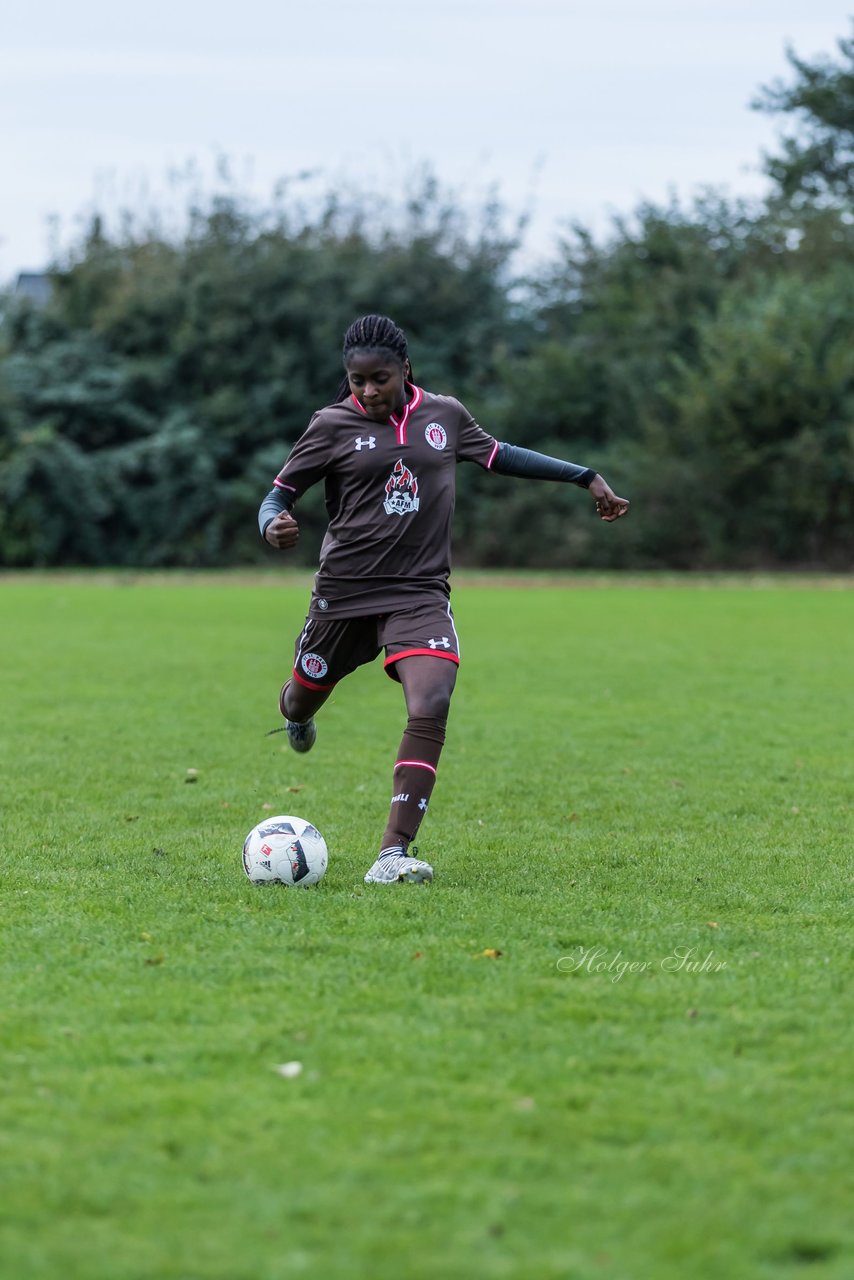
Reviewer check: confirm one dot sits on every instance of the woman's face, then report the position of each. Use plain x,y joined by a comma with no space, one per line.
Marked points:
378,381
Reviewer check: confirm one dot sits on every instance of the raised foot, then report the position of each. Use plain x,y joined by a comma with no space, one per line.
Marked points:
302,735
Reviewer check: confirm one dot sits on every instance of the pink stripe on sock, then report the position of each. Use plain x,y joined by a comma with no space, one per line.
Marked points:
416,764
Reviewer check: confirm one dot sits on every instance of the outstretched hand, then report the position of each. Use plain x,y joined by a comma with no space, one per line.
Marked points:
282,532
608,505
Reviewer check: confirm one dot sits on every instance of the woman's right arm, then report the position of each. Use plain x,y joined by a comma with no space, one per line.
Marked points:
277,525
306,464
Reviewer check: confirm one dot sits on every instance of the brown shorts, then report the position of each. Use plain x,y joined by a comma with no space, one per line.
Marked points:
328,649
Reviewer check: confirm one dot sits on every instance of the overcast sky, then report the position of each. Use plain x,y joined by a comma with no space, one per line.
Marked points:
576,108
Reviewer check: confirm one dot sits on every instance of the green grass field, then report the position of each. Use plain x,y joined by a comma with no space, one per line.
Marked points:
645,806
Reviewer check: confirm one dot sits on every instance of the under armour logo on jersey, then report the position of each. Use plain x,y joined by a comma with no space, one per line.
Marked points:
370,443
444,643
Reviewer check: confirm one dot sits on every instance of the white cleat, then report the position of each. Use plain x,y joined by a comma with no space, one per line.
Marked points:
302,735
393,866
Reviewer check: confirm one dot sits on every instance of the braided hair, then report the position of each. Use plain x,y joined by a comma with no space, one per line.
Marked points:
373,333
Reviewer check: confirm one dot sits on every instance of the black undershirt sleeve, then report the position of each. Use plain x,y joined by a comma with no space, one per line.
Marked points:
512,460
273,505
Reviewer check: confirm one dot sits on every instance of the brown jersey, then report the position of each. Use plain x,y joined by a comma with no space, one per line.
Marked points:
390,490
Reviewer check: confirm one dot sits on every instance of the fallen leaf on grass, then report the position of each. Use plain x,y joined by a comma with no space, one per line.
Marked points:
132,817
489,953
572,817
192,775
693,1013
417,955
267,806
290,1070
711,924
154,960
145,937
295,789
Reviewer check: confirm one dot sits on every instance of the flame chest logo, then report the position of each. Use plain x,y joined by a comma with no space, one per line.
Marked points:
401,491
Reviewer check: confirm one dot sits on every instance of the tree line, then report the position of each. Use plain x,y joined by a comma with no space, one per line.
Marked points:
699,355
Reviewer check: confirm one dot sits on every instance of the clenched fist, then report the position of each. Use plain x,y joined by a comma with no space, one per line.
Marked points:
608,505
282,532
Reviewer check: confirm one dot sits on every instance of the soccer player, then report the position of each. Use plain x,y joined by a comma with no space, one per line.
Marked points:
387,451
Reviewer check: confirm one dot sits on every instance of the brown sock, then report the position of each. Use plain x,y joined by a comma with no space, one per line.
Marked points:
414,779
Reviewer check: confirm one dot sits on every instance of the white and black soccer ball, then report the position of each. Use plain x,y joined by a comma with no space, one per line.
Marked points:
285,850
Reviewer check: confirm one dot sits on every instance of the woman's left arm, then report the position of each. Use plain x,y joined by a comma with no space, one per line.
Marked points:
511,460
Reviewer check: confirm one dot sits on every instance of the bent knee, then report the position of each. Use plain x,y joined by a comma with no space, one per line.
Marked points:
433,704
299,703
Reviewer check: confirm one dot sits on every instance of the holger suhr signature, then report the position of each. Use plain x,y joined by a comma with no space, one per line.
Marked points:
616,966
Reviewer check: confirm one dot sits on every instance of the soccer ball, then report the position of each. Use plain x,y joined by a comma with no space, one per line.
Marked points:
285,850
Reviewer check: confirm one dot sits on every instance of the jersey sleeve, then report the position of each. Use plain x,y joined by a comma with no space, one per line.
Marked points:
473,443
307,462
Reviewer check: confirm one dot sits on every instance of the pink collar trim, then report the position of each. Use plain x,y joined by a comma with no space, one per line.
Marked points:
399,424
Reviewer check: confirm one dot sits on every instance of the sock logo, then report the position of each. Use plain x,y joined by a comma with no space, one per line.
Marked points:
404,795
422,804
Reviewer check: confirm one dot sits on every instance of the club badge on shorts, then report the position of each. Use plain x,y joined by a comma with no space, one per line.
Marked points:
313,665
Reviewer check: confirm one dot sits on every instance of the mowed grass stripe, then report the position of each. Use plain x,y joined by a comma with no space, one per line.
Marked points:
644,806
